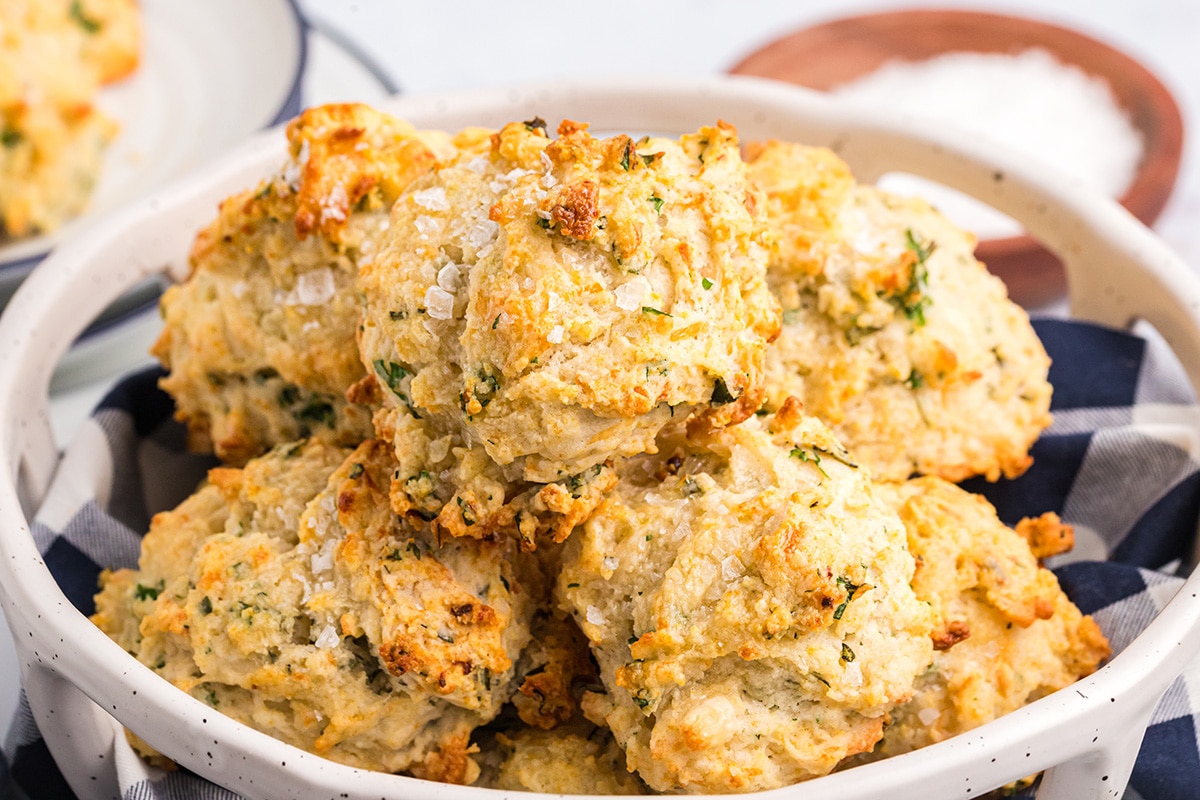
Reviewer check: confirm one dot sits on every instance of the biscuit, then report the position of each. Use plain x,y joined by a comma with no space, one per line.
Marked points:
259,341
1005,634
747,599
288,596
561,301
894,334
52,136
580,759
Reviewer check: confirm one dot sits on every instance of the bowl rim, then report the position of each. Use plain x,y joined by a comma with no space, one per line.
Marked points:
1147,100
1120,272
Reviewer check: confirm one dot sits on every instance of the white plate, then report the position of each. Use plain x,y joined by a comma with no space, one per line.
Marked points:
211,73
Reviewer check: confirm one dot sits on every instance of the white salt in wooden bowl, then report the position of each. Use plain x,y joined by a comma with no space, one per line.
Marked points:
82,686
834,53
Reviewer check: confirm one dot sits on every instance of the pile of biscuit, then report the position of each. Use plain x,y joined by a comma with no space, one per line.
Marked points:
54,57
592,465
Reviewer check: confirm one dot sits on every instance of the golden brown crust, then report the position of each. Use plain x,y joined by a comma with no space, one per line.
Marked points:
559,663
575,759
748,601
560,301
460,491
1047,535
260,340
288,595
1005,633
893,333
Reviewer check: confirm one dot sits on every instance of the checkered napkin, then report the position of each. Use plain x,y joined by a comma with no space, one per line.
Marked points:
1121,462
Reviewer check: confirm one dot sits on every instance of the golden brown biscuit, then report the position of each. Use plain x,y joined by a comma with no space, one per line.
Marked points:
561,301
52,137
576,759
259,340
748,601
1004,632
290,597
893,333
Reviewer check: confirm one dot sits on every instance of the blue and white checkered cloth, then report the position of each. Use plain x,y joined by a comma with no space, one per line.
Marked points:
1121,462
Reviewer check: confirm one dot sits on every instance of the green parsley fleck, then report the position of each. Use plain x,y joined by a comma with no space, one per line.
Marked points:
850,588
655,311
391,373
914,300
706,283
10,137
356,471
142,592
658,203
80,16
810,457
847,653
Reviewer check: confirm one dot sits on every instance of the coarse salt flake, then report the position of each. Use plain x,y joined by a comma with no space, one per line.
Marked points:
427,225
439,303
328,638
611,562
313,288
433,198
595,615
448,277
335,204
555,336
630,294
853,674
322,561
731,568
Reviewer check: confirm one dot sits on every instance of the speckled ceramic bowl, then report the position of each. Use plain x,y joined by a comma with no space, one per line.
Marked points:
78,681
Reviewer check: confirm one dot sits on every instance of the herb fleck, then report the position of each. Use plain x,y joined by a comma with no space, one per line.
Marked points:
721,394
809,456
391,373
80,16
142,592
850,588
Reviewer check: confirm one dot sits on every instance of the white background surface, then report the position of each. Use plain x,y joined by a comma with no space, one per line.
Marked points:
436,46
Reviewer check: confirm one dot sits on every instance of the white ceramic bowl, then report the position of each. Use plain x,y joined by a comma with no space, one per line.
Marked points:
1087,735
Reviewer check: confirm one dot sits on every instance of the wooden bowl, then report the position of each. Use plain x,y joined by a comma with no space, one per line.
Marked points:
836,52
